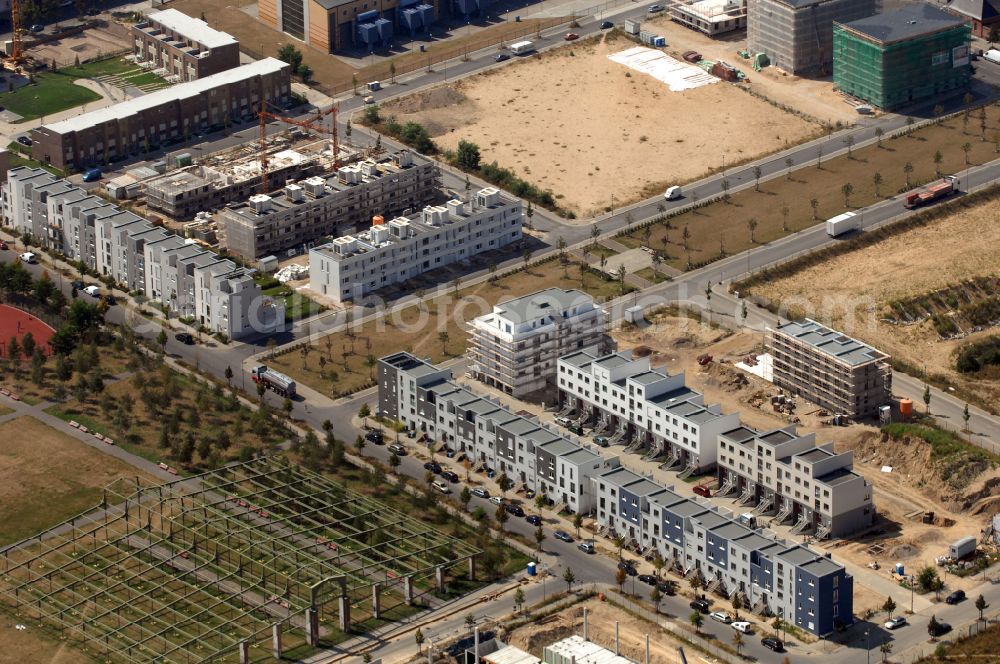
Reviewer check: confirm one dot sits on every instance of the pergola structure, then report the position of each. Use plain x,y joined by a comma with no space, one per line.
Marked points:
201,568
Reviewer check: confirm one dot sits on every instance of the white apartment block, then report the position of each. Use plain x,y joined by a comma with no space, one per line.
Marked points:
515,347
646,409
386,254
140,257
788,474
769,575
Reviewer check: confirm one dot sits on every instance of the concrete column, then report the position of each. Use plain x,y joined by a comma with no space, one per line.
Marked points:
312,626
244,652
472,568
376,600
276,640
618,643
647,649
345,614
585,631
408,590
475,646
439,575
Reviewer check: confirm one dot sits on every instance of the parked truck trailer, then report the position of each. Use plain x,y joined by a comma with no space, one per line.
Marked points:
274,380
946,186
842,223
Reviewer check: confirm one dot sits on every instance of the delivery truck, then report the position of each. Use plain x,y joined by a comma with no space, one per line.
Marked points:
842,223
274,380
946,186
993,55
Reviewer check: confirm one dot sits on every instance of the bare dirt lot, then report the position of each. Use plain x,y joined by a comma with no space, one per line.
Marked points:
852,292
108,37
574,122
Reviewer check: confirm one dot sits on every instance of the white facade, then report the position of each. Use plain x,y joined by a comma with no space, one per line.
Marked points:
190,280
353,266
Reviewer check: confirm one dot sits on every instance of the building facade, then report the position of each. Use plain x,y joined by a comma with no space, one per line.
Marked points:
181,47
797,35
353,266
191,281
793,479
515,347
305,211
830,369
894,59
143,123
983,14
626,400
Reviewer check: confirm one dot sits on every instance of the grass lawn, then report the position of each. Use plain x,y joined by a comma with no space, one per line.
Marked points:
343,363
599,250
649,275
5,410
724,226
297,305
47,476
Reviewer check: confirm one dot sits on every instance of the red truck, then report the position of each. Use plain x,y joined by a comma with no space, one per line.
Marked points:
932,192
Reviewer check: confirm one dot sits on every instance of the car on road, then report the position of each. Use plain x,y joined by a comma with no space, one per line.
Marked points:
441,486
450,453
374,436
563,536
369,99
109,300
628,567
742,626
501,57
700,605
37,27
496,500
587,547
77,284
955,597
648,579
92,175
185,338
570,36
893,623
433,466
93,291
3,246
534,519
29,257
939,629
397,449
25,141
450,475
607,25
653,9
666,587
513,509
673,193
772,644
721,616
481,492
601,441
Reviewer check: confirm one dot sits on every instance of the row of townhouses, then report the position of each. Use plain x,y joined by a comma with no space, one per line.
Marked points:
386,254
770,575
191,281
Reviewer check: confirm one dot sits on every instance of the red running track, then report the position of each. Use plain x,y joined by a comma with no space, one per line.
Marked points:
16,322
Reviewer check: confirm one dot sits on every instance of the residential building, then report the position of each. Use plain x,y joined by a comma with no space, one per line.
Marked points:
305,211
648,410
191,281
338,25
352,266
515,347
711,17
797,35
142,123
830,369
788,475
427,400
894,59
768,575
984,14
182,48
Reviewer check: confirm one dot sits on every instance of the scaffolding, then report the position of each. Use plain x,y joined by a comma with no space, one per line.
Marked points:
193,570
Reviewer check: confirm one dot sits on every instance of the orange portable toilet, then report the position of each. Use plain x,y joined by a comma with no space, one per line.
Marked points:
905,408
378,220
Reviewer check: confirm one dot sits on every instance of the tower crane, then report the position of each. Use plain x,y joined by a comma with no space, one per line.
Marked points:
314,122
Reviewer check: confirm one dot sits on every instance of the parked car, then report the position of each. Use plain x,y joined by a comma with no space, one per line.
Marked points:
92,175
450,453
514,509
666,587
939,629
185,338
721,616
3,246
772,644
441,486
628,567
607,25
434,467
648,579
481,492
563,421
587,547
374,436
701,605
501,57
655,8
562,535
955,597
110,300
601,441
37,27
29,257
703,491
742,626
496,500
534,519
77,284
25,141
397,449
450,475
93,291
893,623
570,36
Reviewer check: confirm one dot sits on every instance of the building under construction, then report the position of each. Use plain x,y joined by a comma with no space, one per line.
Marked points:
897,58
797,35
711,17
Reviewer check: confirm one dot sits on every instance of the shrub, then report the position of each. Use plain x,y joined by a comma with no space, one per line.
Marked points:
978,355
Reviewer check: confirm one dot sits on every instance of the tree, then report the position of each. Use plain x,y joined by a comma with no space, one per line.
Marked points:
505,484
348,130
229,376
885,649
965,417
937,586
785,211
539,503
620,577
933,626
927,398
392,71
619,541
737,604
738,642
994,35
418,636
878,136
577,523
877,181
685,237
443,338
359,445
539,537
655,596
696,583
501,517
621,276
526,257
907,170
757,172
981,605
465,497
394,461
595,232
293,56
752,226
467,155
849,142
789,162
304,72
364,413
938,158
938,110
926,578
725,189
569,578
819,157
161,339
518,599
814,204
847,189
354,85
529,213
966,148
889,606
697,620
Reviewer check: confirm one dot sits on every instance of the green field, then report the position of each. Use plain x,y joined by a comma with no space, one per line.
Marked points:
297,306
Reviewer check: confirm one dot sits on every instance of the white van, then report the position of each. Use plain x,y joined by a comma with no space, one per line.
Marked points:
672,193
28,257
93,291
441,486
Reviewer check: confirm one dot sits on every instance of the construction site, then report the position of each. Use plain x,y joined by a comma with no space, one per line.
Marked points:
255,561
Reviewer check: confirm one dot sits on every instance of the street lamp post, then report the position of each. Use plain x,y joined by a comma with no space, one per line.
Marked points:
868,648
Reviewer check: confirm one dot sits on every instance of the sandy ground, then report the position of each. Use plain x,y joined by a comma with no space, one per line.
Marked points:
586,128
852,291
916,484
108,37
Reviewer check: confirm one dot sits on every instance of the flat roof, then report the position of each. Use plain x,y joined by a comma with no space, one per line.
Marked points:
908,22
575,648
777,437
830,342
579,359
613,361
642,487
511,655
839,476
194,29
740,434
159,97
546,302
648,377
580,455
814,455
